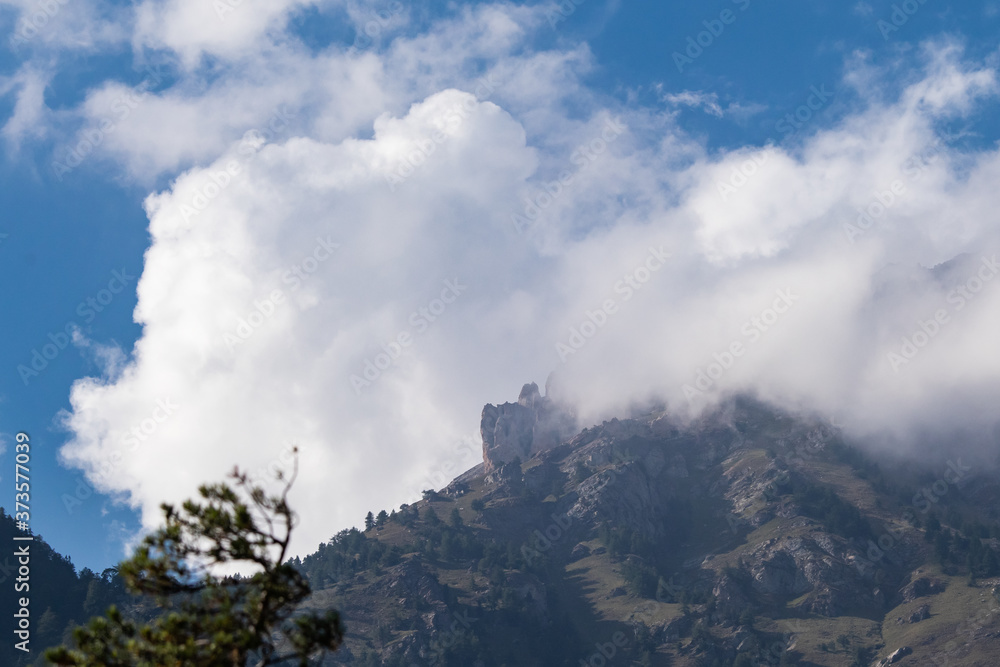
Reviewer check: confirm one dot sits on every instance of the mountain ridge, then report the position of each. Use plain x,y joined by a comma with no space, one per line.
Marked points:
746,536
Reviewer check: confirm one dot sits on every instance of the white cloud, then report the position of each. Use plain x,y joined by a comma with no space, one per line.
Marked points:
287,204
697,100
709,103
332,95
417,181
156,132
224,28
28,119
43,28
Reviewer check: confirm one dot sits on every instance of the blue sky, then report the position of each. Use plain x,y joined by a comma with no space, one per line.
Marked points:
346,102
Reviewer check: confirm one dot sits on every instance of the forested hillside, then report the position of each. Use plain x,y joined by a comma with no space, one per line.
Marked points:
60,597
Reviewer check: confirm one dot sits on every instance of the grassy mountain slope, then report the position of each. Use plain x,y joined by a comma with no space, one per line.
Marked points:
745,538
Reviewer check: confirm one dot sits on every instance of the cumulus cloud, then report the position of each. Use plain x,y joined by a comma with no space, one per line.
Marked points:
307,247
172,120
362,283
850,224
223,28
151,132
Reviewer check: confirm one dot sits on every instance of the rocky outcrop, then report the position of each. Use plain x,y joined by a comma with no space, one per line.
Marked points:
730,596
519,430
895,656
407,583
820,565
714,519
530,589
921,613
622,495
779,575
456,489
411,585
544,479
921,587
581,550
508,432
505,481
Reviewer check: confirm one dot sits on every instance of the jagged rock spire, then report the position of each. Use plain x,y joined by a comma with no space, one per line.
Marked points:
533,424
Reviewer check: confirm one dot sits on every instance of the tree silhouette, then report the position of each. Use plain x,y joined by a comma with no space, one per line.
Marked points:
208,619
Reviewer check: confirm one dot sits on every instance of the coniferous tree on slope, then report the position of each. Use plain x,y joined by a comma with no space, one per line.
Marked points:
209,619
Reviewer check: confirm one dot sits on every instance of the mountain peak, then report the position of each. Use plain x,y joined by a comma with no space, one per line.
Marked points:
519,430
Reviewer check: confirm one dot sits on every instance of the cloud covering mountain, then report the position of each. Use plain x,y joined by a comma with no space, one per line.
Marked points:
365,244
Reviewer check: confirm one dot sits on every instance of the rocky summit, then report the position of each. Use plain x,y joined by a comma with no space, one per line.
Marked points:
519,430
745,537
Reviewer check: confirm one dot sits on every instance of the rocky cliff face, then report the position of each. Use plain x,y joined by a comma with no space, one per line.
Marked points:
519,430
744,535
633,474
